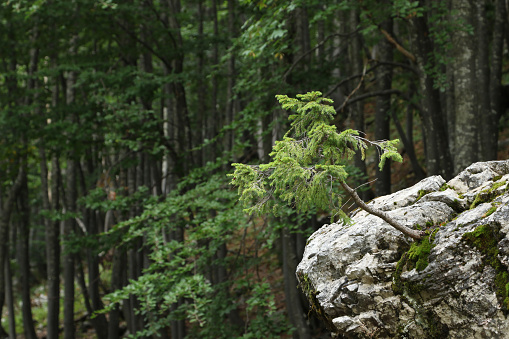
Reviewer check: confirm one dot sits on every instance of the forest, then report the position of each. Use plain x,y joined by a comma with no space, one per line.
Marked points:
120,121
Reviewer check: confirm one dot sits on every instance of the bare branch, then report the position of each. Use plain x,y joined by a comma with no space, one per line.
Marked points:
398,46
414,234
318,45
355,89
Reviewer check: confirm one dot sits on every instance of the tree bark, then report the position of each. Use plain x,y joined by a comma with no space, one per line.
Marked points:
24,259
52,230
230,97
9,296
212,121
6,207
438,158
465,128
383,107
99,321
355,62
490,135
71,196
292,300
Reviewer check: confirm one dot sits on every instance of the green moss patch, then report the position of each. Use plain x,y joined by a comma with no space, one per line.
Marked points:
487,195
444,187
416,257
419,252
492,209
421,193
485,238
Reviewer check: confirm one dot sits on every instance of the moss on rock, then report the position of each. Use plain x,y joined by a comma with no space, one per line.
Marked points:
487,195
485,238
419,252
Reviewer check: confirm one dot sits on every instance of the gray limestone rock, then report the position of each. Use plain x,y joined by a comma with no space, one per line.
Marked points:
370,281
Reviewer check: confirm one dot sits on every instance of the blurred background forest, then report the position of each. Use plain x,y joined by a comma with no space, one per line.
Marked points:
119,121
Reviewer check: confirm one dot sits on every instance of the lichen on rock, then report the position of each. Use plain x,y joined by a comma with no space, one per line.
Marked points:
368,280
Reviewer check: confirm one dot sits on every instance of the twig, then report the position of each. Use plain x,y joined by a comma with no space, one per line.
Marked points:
355,89
414,234
318,45
398,46
367,95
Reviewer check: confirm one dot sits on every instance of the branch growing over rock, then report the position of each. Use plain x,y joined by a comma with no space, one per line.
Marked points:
414,234
308,162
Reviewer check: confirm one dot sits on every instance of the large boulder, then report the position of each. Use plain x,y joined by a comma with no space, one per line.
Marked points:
366,279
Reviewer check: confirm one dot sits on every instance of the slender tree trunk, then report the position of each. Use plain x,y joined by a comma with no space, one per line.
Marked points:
24,259
52,230
118,264
438,158
490,134
383,107
202,134
184,131
68,261
92,295
293,302
481,84
6,207
465,130
98,321
132,264
355,62
9,298
212,119
230,100
118,267
53,252
70,204
52,242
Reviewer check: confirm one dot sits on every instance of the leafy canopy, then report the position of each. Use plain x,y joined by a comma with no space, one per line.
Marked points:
307,162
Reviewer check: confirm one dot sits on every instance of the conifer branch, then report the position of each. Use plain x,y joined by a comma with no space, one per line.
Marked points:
310,158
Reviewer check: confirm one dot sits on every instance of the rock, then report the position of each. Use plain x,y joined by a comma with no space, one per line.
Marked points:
367,279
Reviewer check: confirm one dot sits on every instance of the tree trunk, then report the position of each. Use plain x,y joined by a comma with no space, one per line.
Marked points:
6,206
119,262
24,259
487,150
465,128
99,321
438,158
490,134
68,260
9,296
212,121
230,95
383,107
52,246
118,268
292,300
71,196
355,62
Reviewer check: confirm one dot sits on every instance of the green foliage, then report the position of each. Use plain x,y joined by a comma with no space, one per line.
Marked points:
307,162
185,269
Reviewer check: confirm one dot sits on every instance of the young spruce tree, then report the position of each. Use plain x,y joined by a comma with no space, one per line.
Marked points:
309,161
